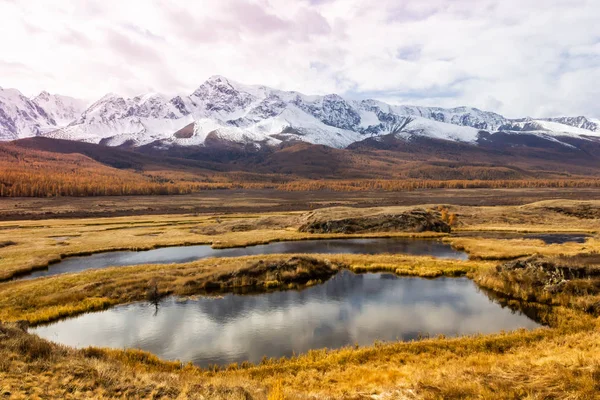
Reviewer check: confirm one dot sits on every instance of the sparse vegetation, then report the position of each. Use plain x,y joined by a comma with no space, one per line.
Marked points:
448,217
571,281
559,361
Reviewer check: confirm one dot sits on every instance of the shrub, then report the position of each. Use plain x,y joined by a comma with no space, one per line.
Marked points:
34,348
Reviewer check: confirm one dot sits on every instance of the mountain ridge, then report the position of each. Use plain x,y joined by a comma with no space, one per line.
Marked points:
259,116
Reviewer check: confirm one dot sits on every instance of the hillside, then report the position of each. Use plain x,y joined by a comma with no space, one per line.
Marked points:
90,170
51,167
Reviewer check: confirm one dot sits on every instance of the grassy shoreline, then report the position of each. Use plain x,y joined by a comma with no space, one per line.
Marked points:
490,366
458,367
63,256
555,362
34,245
52,298
477,248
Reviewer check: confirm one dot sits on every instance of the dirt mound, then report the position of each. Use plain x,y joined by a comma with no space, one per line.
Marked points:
416,220
259,275
581,211
572,267
294,269
576,275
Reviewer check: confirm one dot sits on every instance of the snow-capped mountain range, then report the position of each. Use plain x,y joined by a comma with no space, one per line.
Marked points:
224,110
23,117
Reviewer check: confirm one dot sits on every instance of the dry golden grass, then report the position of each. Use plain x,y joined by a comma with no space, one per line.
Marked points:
570,281
545,363
506,249
555,362
40,243
48,299
548,363
543,216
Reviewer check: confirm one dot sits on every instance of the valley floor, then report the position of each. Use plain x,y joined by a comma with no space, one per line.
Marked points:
267,200
559,361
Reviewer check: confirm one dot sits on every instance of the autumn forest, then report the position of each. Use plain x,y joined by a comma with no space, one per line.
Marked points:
26,171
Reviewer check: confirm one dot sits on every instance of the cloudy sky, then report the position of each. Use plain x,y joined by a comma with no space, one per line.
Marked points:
516,57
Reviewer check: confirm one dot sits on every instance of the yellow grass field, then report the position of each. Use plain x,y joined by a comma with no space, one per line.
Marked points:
556,362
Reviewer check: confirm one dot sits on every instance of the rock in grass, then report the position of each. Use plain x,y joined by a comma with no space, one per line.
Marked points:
417,220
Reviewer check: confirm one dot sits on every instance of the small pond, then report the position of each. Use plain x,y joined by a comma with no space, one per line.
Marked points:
547,238
559,238
182,254
346,310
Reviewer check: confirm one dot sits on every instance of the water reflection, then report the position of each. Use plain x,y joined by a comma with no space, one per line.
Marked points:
183,254
345,310
541,313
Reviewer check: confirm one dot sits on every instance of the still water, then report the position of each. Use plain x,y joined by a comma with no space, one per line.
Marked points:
559,238
346,310
181,254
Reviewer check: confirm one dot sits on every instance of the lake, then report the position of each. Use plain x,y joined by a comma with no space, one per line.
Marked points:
346,310
182,254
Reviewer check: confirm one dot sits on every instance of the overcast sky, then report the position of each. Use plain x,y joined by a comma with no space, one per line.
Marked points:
515,57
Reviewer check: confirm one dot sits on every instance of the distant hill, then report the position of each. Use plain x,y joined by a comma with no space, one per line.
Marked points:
43,166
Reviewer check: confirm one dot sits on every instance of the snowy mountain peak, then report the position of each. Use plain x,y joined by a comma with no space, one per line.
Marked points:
21,117
221,99
108,97
214,83
217,79
226,110
61,109
42,95
8,93
151,97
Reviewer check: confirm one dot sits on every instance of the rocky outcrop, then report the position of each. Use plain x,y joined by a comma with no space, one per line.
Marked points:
557,275
417,220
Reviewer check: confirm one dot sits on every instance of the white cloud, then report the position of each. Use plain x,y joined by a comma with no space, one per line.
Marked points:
518,58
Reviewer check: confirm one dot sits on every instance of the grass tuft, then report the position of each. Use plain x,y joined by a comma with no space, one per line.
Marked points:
557,361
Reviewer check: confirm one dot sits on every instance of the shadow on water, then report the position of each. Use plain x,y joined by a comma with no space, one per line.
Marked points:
347,309
540,313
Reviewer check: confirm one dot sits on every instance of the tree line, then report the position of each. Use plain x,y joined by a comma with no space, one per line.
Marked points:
48,184
35,173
